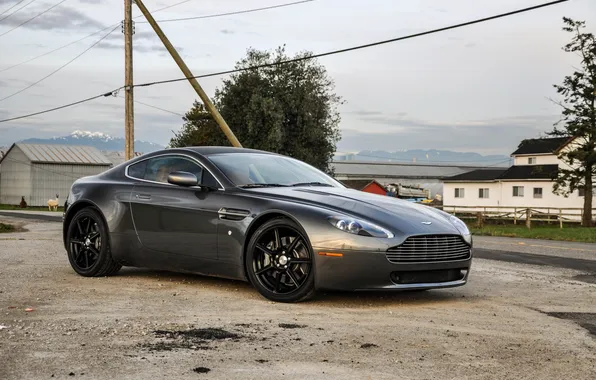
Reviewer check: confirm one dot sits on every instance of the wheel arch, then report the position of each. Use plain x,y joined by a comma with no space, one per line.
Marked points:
258,222
72,211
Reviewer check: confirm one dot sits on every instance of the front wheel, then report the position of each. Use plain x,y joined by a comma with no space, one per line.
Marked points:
88,245
279,262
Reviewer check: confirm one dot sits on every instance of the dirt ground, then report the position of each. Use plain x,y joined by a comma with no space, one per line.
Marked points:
511,321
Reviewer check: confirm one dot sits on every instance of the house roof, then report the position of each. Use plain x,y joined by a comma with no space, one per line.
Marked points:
537,146
117,157
514,172
61,154
530,172
478,175
359,184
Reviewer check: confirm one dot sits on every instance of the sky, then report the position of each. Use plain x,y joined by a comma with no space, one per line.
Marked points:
482,88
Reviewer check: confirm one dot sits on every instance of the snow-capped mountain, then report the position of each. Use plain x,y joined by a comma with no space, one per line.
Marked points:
99,140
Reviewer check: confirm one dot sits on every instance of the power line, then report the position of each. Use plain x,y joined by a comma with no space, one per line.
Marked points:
155,107
60,48
61,67
111,93
234,12
372,44
159,108
155,11
296,59
84,38
5,17
17,3
166,7
32,18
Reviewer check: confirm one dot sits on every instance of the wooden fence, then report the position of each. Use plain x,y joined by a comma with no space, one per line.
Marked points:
518,214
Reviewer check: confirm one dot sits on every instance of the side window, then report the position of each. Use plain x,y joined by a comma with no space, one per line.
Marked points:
209,180
137,170
159,168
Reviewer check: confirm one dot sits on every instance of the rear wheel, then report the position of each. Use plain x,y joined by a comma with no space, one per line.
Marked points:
88,245
279,262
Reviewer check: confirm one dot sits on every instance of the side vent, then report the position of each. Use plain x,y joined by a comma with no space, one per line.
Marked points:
233,214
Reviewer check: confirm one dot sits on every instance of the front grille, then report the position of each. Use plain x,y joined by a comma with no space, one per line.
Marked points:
430,248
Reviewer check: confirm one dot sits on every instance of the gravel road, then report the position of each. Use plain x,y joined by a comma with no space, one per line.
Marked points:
512,320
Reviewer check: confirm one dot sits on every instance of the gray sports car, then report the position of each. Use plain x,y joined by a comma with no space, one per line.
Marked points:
245,214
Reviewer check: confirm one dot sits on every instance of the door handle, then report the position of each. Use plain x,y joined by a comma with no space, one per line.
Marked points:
144,197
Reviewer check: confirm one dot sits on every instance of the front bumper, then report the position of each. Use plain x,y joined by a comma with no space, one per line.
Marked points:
366,270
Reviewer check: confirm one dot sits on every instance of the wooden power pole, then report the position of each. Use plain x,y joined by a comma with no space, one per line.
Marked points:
206,101
129,119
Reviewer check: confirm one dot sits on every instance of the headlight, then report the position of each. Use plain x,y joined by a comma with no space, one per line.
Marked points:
359,227
462,228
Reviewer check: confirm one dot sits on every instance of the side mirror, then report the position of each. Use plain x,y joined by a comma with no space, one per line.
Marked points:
183,179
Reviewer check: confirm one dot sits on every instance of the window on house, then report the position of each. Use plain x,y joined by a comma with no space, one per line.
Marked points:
582,193
518,191
482,193
459,192
538,192
531,160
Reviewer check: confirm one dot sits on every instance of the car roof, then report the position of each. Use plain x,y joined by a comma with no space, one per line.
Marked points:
211,150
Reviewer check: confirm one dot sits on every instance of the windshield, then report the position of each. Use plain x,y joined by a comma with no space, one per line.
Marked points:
246,169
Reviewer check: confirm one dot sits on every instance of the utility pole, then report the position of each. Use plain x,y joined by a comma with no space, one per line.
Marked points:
129,118
193,82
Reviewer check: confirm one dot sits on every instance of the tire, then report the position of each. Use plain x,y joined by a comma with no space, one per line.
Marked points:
88,245
277,273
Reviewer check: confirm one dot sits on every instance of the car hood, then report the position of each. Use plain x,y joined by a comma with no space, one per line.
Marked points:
393,213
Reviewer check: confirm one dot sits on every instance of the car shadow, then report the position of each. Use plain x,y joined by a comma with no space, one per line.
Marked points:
365,299
181,277
338,299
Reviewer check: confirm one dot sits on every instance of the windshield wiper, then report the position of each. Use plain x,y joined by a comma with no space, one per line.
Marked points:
262,185
312,184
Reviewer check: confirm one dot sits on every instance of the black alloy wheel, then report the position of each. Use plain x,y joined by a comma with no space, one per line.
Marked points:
280,263
88,245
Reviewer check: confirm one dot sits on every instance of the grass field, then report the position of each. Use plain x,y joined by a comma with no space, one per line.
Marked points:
38,208
6,227
568,233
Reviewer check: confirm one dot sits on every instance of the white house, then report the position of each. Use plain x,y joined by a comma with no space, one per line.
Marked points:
526,184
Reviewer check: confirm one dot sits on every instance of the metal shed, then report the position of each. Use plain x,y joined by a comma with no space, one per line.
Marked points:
39,172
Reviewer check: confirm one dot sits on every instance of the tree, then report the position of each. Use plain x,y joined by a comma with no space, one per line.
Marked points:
199,129
578,119
287,108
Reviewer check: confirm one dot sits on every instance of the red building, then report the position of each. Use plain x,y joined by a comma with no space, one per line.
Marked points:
366,185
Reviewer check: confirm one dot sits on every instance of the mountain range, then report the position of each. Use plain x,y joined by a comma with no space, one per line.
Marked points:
431,156
98,140
106,142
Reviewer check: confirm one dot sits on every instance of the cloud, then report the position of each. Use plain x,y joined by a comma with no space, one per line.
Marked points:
403,133
143,42
92,1
8,134
365,113
7,1
227,31
59,18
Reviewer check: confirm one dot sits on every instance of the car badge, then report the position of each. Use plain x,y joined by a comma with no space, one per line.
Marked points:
427,223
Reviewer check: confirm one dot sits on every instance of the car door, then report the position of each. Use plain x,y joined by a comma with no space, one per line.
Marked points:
170,218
